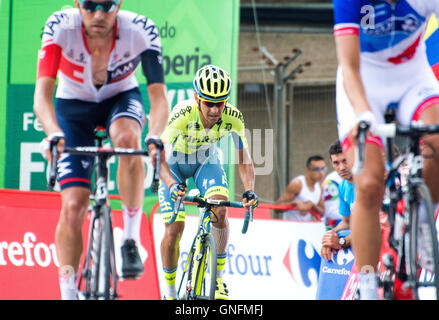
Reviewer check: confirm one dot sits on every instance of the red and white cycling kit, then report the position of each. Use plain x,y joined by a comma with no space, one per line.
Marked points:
80,105
393,64
64,49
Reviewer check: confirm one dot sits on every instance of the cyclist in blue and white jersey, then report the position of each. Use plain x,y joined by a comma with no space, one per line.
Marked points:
94,50
382,60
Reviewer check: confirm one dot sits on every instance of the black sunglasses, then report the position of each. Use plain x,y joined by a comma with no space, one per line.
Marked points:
92,6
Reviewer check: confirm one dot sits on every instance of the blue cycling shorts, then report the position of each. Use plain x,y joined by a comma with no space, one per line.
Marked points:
208,175
78,119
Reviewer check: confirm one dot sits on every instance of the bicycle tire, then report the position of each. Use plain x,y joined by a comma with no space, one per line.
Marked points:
420,195
205,256
94,254
105,254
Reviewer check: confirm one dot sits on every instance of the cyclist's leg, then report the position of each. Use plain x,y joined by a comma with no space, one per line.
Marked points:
422,103
211,180
74,174
366,239
68,237
125,124
170,244
369,187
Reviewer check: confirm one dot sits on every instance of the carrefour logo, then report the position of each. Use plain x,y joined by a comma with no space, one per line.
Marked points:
341,263
240,263
303,263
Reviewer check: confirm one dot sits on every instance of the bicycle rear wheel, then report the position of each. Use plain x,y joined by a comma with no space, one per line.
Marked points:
204,262
422,245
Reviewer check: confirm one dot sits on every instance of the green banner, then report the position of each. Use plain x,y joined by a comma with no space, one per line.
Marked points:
193,33
4,60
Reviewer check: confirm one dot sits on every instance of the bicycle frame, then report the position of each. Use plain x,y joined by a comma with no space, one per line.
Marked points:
100,202
203,232
100,210
203,229
413,192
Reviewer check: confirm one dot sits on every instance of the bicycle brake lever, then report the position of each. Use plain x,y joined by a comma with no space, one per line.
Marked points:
53,167
156,179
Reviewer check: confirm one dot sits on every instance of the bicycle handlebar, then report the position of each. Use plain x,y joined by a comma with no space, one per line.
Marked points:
213,202
53,165
92,151
156,177
388,130
363,126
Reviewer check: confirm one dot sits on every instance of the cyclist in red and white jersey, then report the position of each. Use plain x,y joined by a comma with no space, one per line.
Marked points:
94,50
382,60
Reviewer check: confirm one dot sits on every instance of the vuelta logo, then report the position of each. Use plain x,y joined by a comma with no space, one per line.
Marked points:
303,262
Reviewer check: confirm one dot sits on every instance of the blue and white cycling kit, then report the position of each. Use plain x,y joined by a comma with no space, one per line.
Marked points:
393,61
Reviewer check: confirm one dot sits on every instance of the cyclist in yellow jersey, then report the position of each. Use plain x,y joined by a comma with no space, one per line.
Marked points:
194,128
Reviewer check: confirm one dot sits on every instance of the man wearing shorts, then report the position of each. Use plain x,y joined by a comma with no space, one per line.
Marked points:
194,128
382,60
94,50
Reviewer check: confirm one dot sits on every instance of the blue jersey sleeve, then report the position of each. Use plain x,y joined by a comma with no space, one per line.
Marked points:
347,16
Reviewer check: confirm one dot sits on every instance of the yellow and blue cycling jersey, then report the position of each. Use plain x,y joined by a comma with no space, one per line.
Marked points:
194,151
186,133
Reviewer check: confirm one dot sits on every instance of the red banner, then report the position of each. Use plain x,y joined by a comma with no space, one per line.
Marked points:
28,260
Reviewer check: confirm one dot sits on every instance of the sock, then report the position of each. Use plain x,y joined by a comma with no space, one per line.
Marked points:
221,237
368,284
67,284
132,219
220,264
170,274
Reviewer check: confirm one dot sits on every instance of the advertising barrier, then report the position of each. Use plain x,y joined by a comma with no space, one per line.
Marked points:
274,260
338,280
28,260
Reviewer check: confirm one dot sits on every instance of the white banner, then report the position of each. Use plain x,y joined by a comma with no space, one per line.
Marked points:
275,259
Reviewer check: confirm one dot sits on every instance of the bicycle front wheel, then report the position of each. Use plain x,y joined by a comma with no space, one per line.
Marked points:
422,255
105,256
205,262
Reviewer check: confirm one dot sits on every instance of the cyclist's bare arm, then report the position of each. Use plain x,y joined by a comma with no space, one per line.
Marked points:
158,117
43,104
246,172
45,111
348,53
165,174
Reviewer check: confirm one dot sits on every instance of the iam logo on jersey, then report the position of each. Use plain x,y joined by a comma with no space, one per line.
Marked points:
302,262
